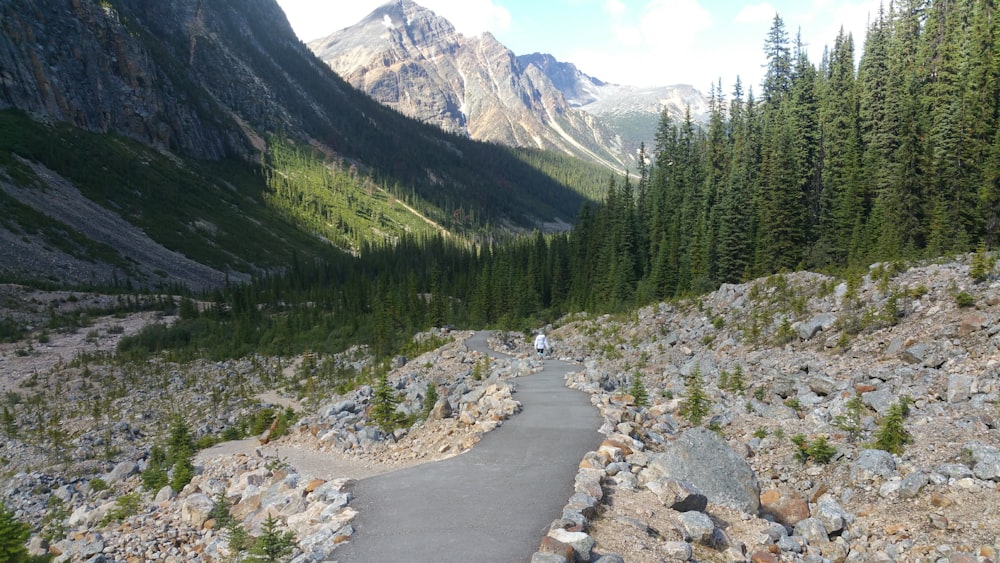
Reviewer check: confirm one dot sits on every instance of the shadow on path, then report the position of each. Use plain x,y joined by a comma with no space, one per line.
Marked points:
493,503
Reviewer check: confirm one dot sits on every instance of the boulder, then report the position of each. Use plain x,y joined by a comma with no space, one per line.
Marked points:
812,530
703,459
678,495
785,506
122,471
872,464
697,527
986,459
196,508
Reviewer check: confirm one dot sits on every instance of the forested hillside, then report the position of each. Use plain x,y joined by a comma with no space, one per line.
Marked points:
830,167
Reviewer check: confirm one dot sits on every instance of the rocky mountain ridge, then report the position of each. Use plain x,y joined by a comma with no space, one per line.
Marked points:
412,60
776,358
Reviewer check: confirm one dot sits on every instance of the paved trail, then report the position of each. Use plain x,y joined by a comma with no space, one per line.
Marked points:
491,504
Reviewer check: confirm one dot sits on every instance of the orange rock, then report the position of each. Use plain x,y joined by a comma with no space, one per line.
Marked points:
556,547
626,450
763,557
864,388
314,484
940,500
893,529
785,506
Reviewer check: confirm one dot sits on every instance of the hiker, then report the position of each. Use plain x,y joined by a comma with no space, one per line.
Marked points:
541,344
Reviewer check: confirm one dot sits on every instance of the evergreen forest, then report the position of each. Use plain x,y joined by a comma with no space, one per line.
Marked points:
890,155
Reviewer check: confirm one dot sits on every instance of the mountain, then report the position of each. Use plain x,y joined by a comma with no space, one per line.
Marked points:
412,60
156,117
633,113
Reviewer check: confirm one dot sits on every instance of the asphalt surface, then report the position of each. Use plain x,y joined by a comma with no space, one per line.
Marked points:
493,503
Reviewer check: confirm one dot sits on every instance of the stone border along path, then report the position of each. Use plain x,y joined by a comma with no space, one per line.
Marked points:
491,503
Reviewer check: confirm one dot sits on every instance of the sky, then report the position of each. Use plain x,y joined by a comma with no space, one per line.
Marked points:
633,42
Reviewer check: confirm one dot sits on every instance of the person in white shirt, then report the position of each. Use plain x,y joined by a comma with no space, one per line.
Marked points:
541,344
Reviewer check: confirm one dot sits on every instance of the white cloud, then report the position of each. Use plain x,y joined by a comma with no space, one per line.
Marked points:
757,13
471,17
614,7
668,26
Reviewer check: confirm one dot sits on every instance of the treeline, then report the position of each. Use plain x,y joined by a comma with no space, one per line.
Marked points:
832,167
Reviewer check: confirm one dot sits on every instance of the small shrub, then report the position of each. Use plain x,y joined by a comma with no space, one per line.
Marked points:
850,420
819,450
125,506
785,332
963,299
760,433
430,400
793,403
891,436
982,263
97,485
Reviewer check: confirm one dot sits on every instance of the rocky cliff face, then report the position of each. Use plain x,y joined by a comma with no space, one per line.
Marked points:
410,59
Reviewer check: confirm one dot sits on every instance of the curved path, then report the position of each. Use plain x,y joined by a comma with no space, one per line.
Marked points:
492,503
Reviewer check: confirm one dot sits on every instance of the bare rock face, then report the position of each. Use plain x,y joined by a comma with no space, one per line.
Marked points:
408,58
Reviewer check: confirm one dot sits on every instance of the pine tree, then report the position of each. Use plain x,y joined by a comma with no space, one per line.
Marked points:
13,536
778,76
384,401
640,396
696,402
272,545
430,399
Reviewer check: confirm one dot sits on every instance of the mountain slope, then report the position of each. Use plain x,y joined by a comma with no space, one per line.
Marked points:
218,82
412,60
633,113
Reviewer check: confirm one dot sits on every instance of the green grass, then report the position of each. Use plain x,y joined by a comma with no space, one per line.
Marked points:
213,212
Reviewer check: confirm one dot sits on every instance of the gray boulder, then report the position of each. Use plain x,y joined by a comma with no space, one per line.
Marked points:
871,464
697,527
703,459
987,460
812,530
809,329
122,471
678,495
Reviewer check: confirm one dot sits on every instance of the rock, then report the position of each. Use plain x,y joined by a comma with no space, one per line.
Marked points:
677,550
550,548
696,527
164,494
986,459
196,508
912,484
872,464
702,458
959,388
785,506
678,495
972,322
442,409
581,542
812,530
831,514
809,329
880,400
822,386
122,471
